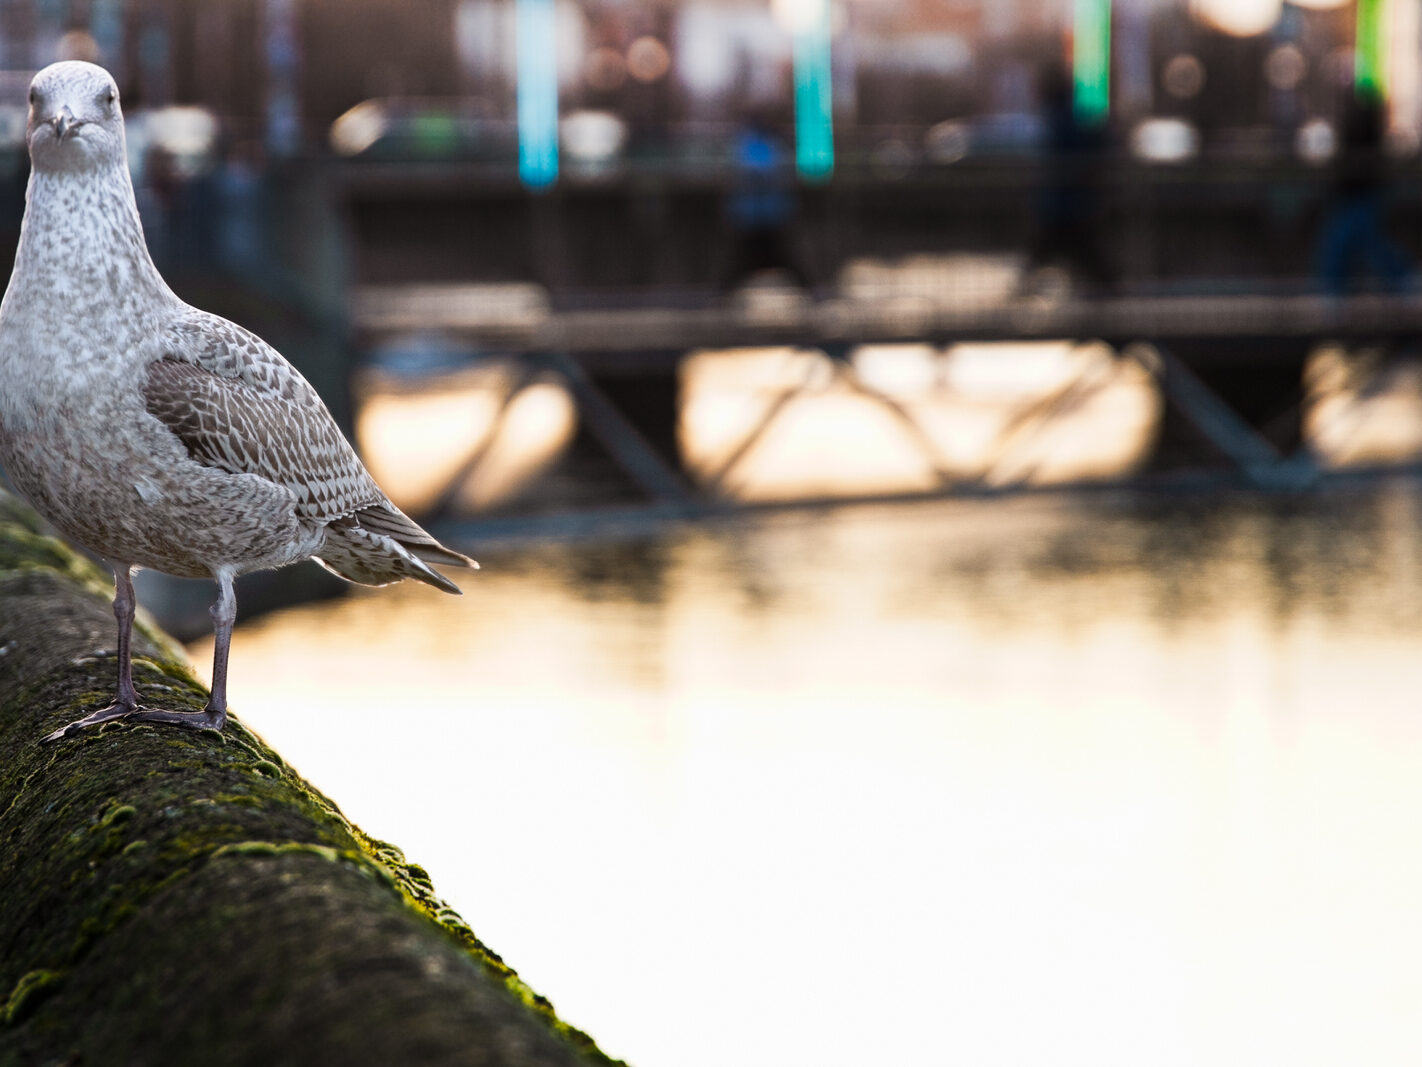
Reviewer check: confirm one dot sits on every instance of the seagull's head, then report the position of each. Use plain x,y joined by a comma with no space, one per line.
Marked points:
75,122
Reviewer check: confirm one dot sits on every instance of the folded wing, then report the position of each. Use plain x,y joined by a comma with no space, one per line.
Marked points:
238,406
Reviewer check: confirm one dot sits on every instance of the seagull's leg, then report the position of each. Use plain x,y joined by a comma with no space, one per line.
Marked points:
224,614
214,715
125,699
126,705
125,606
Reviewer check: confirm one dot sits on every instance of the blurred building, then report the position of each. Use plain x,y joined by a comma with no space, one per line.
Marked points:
1220,118
289,68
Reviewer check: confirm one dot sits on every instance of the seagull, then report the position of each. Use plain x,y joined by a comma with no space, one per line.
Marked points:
154,434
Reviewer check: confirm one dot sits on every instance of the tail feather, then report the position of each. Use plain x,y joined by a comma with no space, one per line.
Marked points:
388,520
360,555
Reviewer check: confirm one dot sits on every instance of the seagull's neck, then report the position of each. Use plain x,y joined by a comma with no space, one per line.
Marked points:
82,241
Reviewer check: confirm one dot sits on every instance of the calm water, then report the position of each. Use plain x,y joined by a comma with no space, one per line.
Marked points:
1106,780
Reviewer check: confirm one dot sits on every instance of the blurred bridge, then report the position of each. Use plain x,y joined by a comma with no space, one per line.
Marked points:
615,279
1230,367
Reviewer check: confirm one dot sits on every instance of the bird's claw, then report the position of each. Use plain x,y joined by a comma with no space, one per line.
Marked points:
115,711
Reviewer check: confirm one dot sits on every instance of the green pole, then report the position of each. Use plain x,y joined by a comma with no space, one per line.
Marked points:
1091,60
1369,73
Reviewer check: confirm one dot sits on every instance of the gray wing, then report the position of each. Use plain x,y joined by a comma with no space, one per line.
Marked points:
237,427
237,405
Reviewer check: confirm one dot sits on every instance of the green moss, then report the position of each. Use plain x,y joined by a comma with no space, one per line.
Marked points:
25,548
14,513
273,848
32,987
116,814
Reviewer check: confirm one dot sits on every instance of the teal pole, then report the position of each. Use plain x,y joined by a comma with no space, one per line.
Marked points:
814,95
537,72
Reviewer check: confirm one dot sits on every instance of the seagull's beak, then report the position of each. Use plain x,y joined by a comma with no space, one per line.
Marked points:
63,122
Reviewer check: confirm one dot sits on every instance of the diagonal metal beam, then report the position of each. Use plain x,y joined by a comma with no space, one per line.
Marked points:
1221,425
623,441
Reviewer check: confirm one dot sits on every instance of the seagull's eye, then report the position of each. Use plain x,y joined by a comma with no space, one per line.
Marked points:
33,97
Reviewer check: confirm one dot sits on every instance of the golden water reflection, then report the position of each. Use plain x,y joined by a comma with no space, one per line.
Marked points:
1030,781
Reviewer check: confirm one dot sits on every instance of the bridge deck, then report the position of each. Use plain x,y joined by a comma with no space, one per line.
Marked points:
519,318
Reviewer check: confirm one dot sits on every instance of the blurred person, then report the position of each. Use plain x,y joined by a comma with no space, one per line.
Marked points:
1353,244
761,209
1070,209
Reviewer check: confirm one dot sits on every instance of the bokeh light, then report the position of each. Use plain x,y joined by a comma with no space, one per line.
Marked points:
1242,18
1285,67
648,59
1183,76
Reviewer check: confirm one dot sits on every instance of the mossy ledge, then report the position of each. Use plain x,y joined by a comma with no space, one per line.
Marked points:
174,896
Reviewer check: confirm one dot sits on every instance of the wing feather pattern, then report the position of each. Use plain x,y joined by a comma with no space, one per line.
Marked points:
237,405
